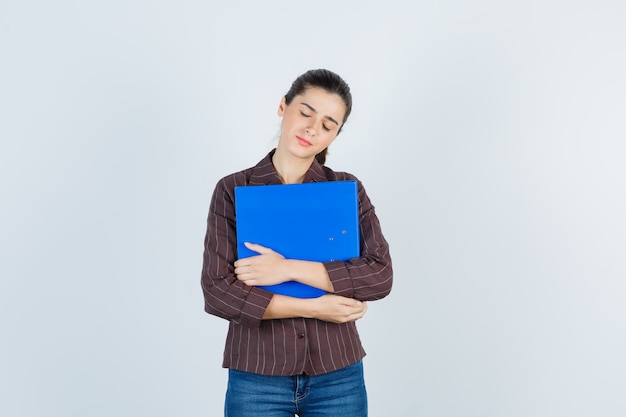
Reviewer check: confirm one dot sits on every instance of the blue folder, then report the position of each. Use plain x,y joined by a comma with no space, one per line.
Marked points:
315,221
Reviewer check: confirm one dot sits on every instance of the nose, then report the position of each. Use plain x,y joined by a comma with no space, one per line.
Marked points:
310,131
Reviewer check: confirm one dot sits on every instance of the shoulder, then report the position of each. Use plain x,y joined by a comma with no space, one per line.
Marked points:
332,175
230,181
254,174
223,197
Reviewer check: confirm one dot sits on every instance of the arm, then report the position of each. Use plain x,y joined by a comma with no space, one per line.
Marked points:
368,277
224,295
270,268
230,298
329,307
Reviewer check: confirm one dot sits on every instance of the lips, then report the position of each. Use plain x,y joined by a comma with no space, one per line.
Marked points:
303,142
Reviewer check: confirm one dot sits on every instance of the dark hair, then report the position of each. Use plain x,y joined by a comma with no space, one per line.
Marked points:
331,83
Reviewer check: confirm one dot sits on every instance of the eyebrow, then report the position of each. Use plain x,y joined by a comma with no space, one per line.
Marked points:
315,111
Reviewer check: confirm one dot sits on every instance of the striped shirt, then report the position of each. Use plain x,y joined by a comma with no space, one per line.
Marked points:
287,346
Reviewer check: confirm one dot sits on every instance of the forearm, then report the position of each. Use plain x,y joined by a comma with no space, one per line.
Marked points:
329,307
284,307
310,273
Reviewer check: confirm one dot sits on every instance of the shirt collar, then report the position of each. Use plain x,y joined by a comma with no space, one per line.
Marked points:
264,173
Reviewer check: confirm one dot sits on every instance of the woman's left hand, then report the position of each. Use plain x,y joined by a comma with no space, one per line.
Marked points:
266,268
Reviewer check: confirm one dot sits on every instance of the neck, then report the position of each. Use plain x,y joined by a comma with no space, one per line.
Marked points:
290,170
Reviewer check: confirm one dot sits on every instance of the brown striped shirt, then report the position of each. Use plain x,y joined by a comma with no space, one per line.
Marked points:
287,346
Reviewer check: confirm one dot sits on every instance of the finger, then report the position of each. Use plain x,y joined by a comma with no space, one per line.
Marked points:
257,248
243,262
354,303
248,283
359,309
245,278
359,314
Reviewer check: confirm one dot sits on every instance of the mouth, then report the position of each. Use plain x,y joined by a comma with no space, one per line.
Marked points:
303,142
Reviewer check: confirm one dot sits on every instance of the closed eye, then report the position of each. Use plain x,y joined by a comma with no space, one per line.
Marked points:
304,114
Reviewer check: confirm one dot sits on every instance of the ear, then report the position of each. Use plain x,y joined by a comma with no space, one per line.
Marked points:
282,106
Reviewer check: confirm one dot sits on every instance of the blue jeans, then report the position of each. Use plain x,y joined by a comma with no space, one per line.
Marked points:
338,393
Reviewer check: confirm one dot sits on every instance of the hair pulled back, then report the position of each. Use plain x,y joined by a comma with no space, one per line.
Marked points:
329,82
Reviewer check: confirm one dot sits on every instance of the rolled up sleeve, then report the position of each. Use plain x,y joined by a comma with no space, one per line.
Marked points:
370,276
224,295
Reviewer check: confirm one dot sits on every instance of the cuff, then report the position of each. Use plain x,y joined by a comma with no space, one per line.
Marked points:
254,307
340,277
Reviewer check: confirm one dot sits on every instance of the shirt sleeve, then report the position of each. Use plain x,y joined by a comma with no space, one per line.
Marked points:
224,295
370,276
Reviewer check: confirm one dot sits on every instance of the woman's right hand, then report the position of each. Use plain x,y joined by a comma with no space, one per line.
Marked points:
337,309
329,307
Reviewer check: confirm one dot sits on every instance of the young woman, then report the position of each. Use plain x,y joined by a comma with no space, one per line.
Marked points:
285,355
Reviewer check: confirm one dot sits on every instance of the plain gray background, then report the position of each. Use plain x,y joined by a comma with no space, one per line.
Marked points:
489,135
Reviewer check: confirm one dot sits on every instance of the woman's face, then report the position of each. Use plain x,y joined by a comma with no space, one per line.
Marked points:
310,122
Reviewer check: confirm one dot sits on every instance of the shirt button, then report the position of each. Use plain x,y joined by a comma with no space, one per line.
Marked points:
301,335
